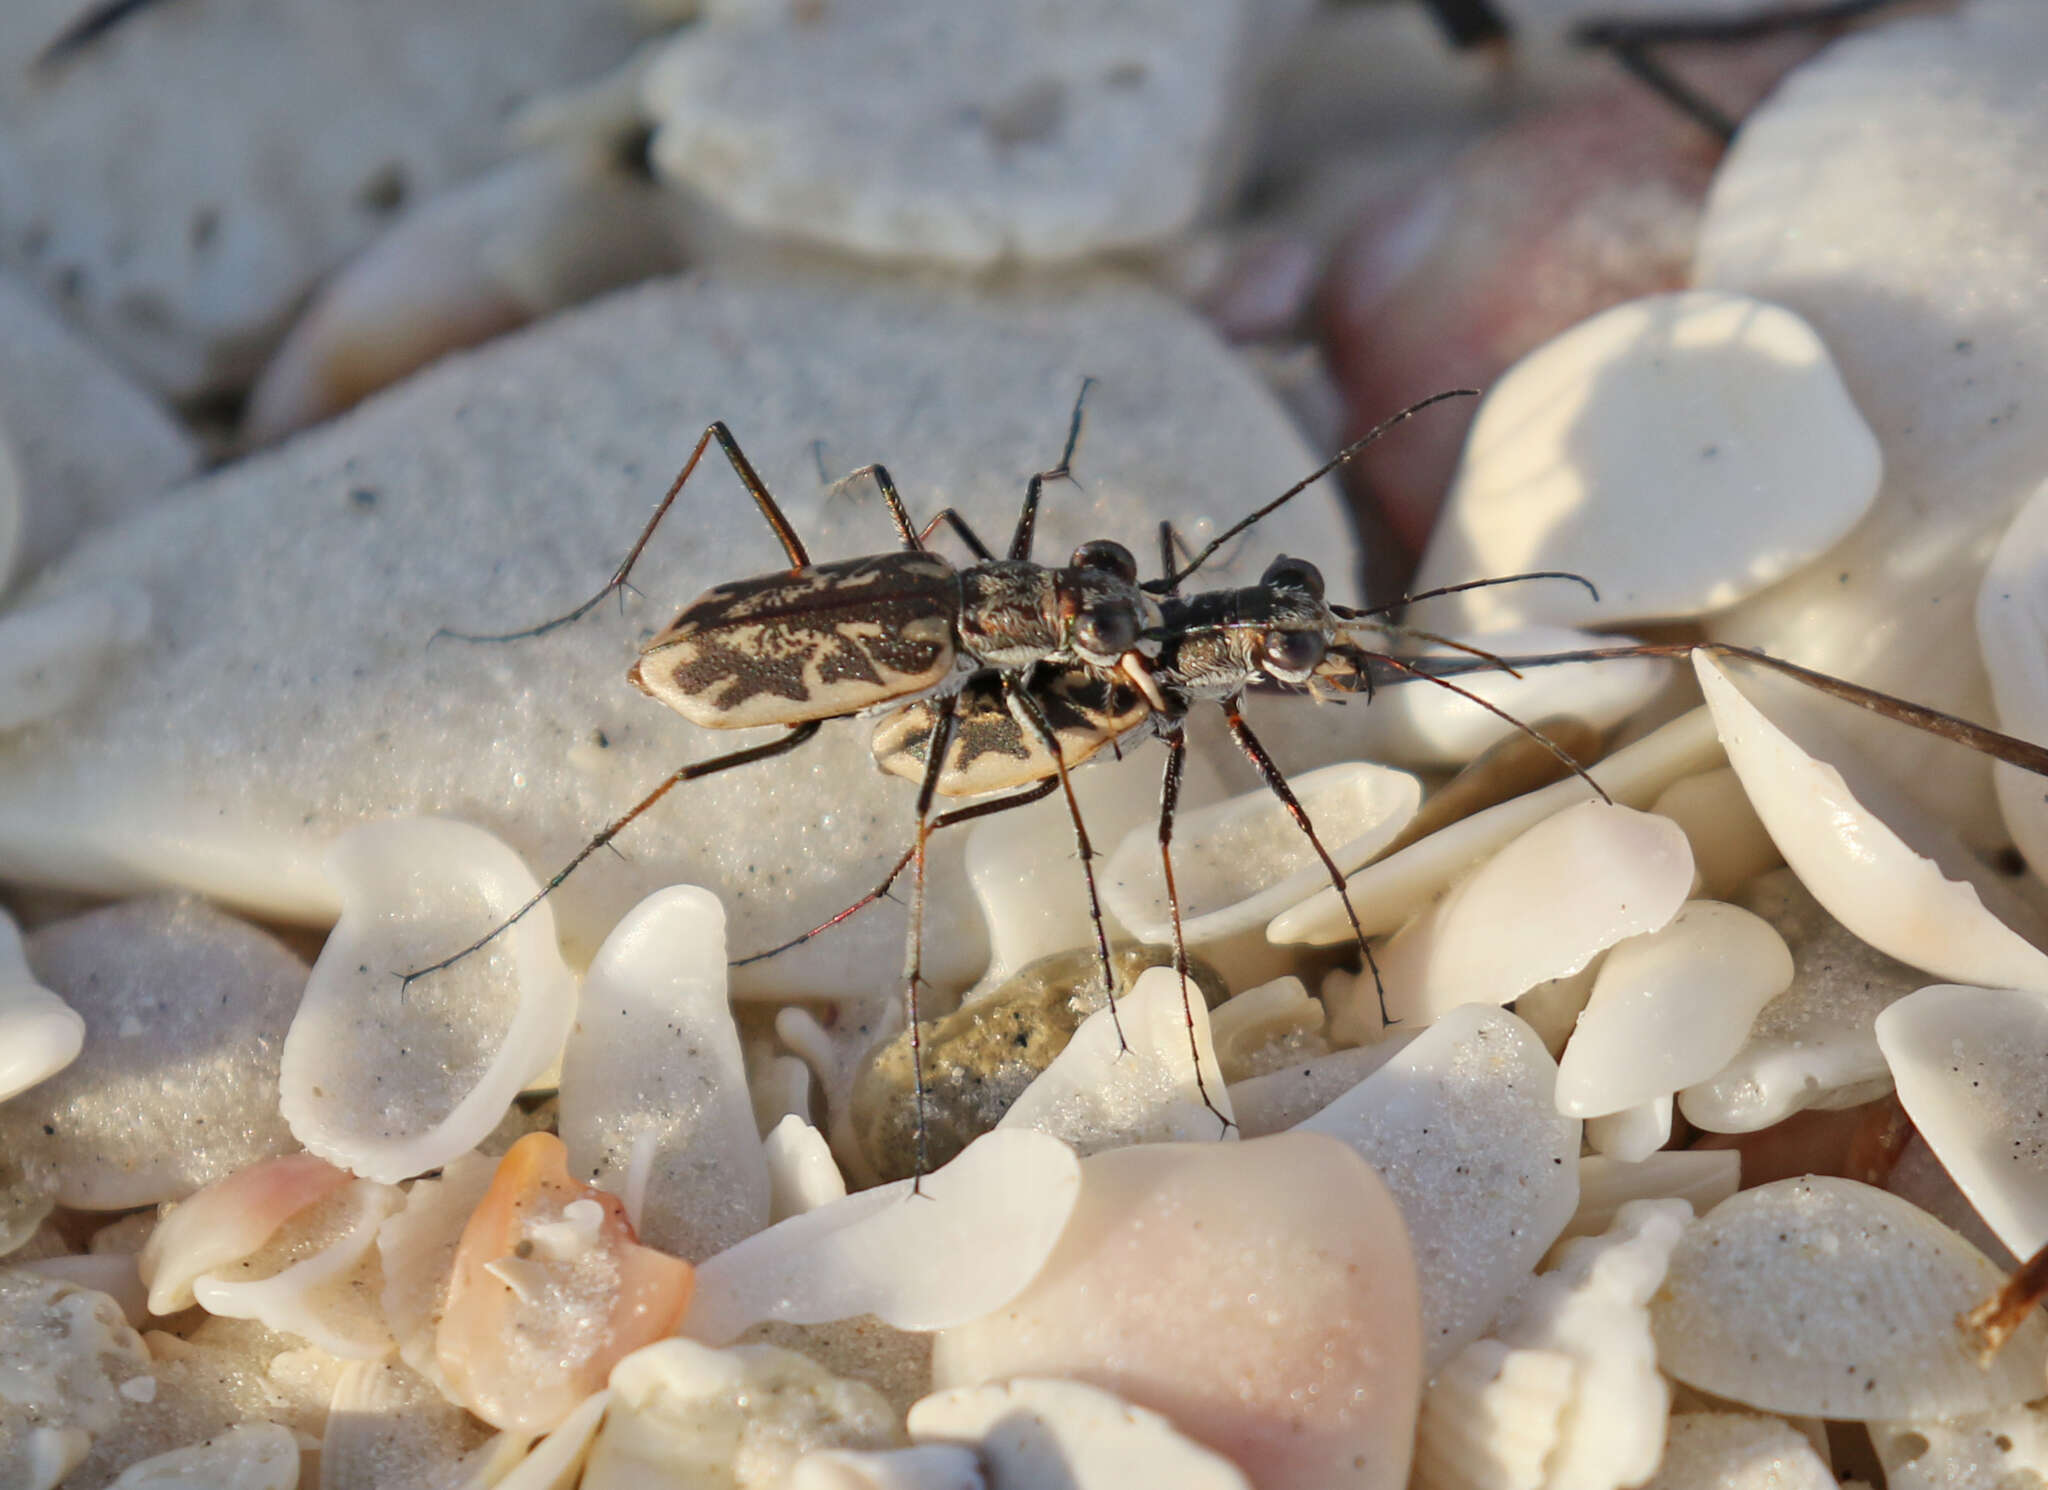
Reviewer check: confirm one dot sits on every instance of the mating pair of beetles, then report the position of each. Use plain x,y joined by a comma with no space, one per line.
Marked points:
1004,675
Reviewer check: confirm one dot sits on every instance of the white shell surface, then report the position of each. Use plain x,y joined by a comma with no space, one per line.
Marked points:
1491,1418
1815,1041
997,1209
684,1413
1304,1372
51,654
1093,128
1420,724
2008,1446
247,1456
186,1011
2012,635
1242,862
1769,1302
1702,1178
1671,1007
1971,1065
654,1091
1388,892
1634,1133
386,1424
387,1078
1648,449
1541,908
40,1034
555,1462
1868,879
1839,200
1039,1434
1137,1077
1739,1451
1730,845
1463,1126
1594,1306
1279,1099
69,1355
802,1174
934,1466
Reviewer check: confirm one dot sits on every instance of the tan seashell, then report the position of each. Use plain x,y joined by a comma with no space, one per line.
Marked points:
550,1290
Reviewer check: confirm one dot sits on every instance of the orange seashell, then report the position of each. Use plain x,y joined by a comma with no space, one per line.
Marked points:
550,1289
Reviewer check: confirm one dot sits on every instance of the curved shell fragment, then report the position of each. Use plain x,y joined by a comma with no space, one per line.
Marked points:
1100,1441
227,1221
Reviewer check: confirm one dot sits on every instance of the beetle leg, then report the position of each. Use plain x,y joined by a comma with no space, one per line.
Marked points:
913,949
1169,800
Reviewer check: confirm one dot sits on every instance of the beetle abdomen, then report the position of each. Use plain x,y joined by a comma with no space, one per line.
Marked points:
813,643
991,751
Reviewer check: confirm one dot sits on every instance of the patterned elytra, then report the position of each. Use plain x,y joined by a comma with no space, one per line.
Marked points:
819,642
991,751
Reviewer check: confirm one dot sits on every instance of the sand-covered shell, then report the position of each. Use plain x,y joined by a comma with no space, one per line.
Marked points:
40,1034
1740,1451
1020,1427
1702,1178
549,1291
996,1212
391,1078
416,1246
227,1221
2005,1447
70,1354
247,1456
1827,1298
387,1424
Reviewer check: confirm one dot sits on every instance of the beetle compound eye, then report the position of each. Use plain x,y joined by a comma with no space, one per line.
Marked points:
1294,574
1108,556
1293,652
1105,632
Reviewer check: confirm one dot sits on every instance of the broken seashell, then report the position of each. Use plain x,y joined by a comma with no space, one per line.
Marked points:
1280,1099
40,1034
1702,1178
1671,1008
1699,407
1305,1372
1769,1303
1388,892
549,1291
654,1092
1730,846
2010,634
112,1273
2005,1447
555,1462
388,1425
53,652
997,1210
1463,1126
416,1246
1523,918
684,1413
315,1275
69,1355
247,1456
1632,1134
1491,1418
1265,1028
1098,1440
228,1220
1969,1063
1132,1075
1868,879
390,1078
801,1173
931,1466
1740,1451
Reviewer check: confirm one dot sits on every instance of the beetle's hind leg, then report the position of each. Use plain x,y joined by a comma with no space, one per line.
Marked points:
1169,800
749,478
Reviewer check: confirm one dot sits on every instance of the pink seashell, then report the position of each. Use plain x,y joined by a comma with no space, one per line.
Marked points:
228,1220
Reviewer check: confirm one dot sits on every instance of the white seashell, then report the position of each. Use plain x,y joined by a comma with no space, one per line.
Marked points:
1304,1371
1423,726
1541,908
1815,1044
802,1174
69,1354
1491,1418
416,1248
1702,1178
40,1034
1740,1451
1857,867
1632,1134
1034,1431
1730,846
185,1011
227,1221
1133,1075
2012,632
932,1466
53,652
555,1462
1552,1007
1595,1307
654,1090
314,1276
686,1413
1279,1099
1242,862
1463,1127
1648,449
1769,1303
1388,892
996,1210
781,1087
113,1274
387,1078
1671,1008
1264,1028
247,1456
1970,1065
389,1425
2005,1447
